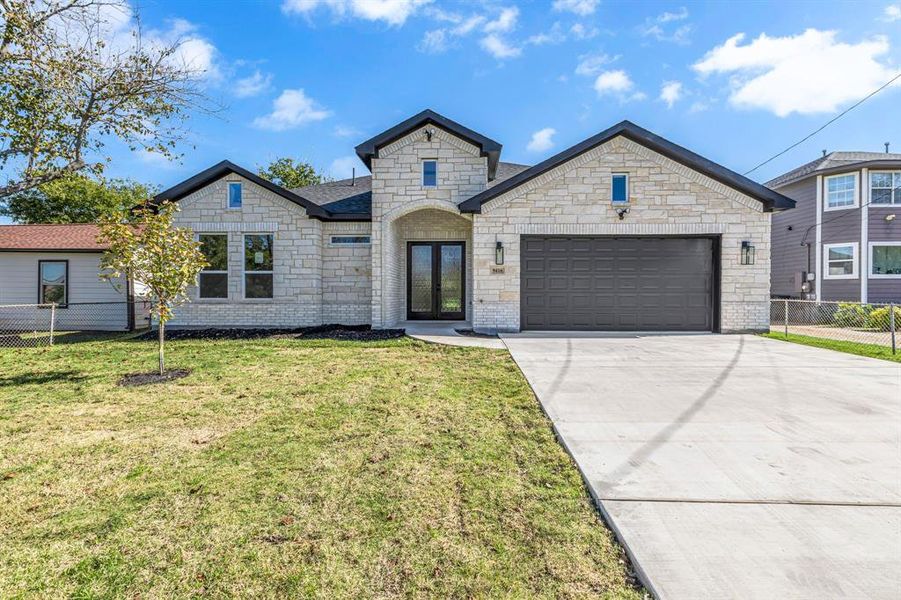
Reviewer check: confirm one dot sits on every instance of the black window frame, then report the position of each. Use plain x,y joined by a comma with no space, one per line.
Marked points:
256,272
207,271
65,302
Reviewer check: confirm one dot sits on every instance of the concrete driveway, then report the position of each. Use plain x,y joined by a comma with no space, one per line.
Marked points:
732,466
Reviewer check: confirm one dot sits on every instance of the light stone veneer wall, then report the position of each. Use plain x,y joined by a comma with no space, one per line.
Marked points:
667,198
397,192
346,276
297,263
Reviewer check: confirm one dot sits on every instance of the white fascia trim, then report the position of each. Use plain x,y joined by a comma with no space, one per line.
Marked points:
870,261
864,233
855,260
818,251
826,207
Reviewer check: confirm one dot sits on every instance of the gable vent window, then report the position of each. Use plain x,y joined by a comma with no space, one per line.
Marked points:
430,173
350,240
234,195
620,188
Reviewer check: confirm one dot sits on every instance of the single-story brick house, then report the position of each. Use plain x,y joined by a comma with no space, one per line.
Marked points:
623,231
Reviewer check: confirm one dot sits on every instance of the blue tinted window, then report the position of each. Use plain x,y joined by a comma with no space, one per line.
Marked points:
620,188
234,195
430,173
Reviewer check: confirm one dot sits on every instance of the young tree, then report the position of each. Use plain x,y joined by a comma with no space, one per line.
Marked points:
75,74
75,199
166,259
290,173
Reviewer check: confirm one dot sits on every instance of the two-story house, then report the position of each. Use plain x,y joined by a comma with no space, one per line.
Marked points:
623,231
842,241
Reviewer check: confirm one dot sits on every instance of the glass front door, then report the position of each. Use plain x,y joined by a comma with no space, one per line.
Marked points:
436,280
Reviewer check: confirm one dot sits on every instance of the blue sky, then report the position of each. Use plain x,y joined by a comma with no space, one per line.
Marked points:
735,82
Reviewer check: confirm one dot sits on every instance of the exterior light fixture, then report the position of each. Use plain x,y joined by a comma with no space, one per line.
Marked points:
428,135
890,218
622,212
747,253
499,253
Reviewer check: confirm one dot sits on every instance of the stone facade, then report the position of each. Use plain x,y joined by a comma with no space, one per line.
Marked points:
346,276
667,199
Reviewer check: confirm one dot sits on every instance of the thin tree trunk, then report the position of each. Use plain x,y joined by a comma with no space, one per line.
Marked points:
162,334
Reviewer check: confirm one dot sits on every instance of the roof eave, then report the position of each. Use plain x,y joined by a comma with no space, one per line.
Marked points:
865,164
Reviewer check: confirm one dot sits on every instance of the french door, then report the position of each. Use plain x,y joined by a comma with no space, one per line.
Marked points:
436,280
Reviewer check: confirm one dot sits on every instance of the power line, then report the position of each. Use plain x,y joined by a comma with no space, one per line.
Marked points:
828,123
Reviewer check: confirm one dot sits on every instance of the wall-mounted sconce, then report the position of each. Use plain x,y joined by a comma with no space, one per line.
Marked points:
428,135
499,253
890,218
622,212
747,253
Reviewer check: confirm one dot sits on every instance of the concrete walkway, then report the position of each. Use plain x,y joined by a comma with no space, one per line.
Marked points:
733,466
445,332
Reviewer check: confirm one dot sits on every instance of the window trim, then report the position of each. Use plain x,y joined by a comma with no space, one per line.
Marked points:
620,202
65,261
214,272
244,270
855,260
332,241
228,195
895,201
856,204
872,275
422,178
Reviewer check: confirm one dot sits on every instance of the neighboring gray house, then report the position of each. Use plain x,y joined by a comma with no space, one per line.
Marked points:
844,230
623,231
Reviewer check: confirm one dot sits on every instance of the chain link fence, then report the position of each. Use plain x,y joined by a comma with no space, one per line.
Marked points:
27,325
853,322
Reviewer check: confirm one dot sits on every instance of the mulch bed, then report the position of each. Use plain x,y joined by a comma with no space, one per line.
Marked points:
135,379
471,333
358,333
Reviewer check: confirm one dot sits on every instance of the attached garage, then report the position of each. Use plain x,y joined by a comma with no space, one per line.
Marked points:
612,283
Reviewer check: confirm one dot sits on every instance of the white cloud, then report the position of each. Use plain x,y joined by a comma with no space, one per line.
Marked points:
807,73
892,13
291,109
579,7
252,85
343,168
433,42
392,12
657,27
671,92
498,48
542,140
617,83
468,25
504,22
580,32
679,15
591,64
554,35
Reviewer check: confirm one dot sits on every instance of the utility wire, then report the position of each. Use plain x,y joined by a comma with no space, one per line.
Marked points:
828,123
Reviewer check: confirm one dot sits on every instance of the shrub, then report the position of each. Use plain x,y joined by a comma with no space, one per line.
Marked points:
879,319
851,314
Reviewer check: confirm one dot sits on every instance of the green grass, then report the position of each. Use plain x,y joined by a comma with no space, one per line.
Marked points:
287,468
869,350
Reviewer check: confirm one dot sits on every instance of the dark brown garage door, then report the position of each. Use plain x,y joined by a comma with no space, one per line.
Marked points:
617,283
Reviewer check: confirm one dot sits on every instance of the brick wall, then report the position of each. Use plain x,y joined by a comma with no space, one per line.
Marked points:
346,276
667,199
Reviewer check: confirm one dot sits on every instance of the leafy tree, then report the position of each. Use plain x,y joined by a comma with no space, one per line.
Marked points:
75,199
166,259
75,74
290,173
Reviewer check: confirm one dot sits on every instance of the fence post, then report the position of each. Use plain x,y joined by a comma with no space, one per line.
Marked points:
891,325
785,317
52,320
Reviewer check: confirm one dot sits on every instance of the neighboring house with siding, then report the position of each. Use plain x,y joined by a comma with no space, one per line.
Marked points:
60,264
843,230
623,231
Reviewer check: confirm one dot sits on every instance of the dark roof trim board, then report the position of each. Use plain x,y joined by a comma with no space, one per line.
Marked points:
771,200
226,167
487,147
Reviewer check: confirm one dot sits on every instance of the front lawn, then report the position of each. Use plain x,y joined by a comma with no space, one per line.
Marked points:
869,350
287,468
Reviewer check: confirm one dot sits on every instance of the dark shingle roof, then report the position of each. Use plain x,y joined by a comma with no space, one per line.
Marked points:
833,160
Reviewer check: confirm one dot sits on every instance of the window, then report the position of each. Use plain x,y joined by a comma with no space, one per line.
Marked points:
430,173
620,187
234,194
885,260
350,240
885,188
841,191
214,277
841,261
258,265
54,282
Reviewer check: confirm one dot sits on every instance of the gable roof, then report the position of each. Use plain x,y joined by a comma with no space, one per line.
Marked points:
770,199
487,147
80,237
205,177
836,161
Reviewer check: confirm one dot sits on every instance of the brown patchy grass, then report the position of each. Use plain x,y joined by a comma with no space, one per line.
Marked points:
289,468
